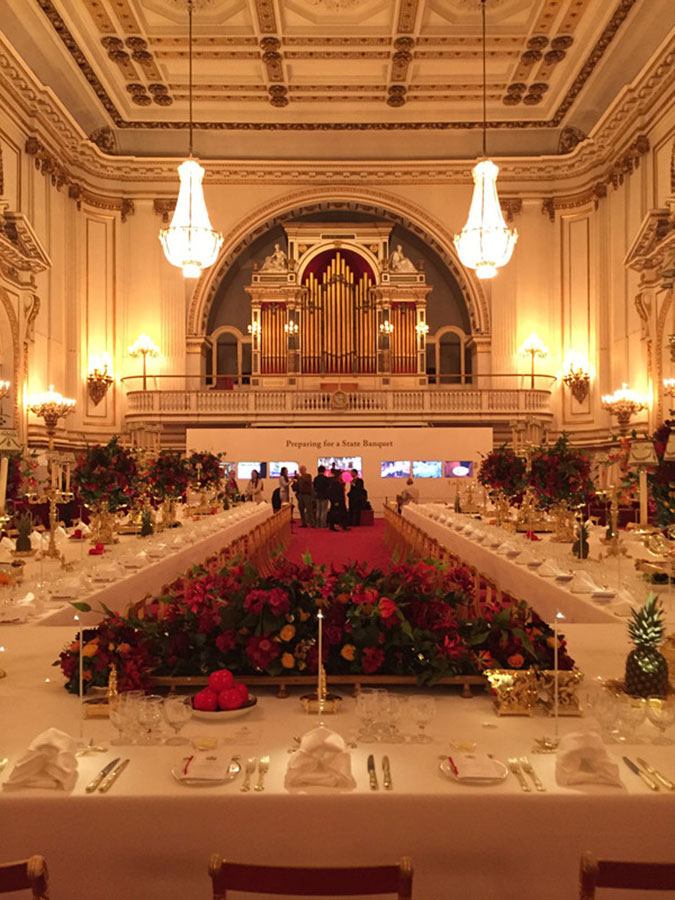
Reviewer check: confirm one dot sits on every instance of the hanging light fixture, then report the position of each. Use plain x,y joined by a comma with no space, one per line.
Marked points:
485,243
189,242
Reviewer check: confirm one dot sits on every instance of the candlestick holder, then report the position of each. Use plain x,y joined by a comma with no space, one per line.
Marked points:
320,701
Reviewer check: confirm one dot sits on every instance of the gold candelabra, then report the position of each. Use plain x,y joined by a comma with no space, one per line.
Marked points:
51,407
144,346
57,491
624,403
577,376
98,379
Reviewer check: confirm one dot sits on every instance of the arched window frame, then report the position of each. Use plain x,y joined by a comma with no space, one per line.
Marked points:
241,339
435,340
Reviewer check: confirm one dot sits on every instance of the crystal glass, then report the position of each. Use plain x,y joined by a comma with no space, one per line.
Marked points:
422,711
150,718
365,711
177,712
630,712
661,712
119,711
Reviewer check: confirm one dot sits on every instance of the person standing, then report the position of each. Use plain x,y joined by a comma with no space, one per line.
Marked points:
409,494
284,485
304,490
358,497
337,514
254,489
321,485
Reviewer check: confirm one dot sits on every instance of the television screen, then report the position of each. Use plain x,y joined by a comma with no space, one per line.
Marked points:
427,468
344,463
244,470
455,468
276,467
396,468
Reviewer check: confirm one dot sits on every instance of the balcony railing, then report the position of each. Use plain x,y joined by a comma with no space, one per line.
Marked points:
188,399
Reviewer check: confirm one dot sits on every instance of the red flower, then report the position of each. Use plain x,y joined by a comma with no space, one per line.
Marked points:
387,607
516,660
261,650
372,659
279,602
225,641
255,601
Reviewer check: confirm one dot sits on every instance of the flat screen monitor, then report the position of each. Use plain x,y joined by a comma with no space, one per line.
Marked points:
244,470
456,468
395,468
276,466
427,468
344,463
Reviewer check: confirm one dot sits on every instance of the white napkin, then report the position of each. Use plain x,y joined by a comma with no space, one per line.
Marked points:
582,583
322,760
49,762
583,759
7,544
474,767
60,534
35,540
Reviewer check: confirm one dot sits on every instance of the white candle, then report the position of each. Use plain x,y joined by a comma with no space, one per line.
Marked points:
4,467
81,675
319,692
67,476
644,493
555,672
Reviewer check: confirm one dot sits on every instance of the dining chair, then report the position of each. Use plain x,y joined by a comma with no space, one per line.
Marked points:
25,875
316,882
603,873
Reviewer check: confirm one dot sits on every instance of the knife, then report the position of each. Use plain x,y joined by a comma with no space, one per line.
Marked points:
643,775
372,774
386,768
94,783
114,775
666,782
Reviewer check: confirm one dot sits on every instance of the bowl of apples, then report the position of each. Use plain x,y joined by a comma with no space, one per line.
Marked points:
224,699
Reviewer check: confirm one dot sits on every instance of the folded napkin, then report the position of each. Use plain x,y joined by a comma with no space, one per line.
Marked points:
49,762
322,760
531,536
473,767
7,544
60,534
35,540
204,767
583,759
77,535
97,550
582,583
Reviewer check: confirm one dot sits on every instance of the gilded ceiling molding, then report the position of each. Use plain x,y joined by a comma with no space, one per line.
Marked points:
393,209
22,255
49,166
511,206
266,18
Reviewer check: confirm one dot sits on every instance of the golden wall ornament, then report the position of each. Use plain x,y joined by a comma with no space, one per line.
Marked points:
514,690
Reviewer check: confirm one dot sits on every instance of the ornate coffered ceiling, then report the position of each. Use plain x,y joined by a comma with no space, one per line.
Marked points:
355,66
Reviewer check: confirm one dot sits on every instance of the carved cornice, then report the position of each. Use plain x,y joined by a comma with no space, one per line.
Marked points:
654,244
551,205
511,206
59,175
21,252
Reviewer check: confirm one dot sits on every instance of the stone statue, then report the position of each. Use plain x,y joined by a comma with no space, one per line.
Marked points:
275,262
398,262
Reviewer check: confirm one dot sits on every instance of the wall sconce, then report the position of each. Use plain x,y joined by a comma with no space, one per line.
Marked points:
4,389
422,328
576,375
623,404
533,346
291,327
144,346
254,329
98,379
386,327
51,407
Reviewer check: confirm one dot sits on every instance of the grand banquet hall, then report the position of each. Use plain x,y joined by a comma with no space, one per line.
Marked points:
337,452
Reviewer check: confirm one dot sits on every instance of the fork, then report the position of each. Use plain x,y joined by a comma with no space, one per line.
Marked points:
528,768
251,764
263,766
514,766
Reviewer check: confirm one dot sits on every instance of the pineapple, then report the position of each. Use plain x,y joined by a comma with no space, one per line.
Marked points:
24,526
646,668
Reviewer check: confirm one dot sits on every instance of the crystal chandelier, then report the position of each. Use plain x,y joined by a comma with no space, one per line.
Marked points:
189,242
485,243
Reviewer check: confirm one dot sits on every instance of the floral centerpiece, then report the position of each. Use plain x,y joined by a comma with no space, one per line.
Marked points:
106,474
21,478
204,470
502,472
661,479
168,475
560,474
410,620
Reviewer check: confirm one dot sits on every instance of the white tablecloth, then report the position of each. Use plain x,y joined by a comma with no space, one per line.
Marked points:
151,837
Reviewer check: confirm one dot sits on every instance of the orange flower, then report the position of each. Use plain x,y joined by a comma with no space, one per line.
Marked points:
90,649
287,633
303,615
348,652
287,660
515,660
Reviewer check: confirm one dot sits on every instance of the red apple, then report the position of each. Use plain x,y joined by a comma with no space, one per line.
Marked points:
230,699
243,690
206,700
222,680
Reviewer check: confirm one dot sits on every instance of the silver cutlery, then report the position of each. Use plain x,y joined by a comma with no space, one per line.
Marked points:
372,774
386,769
251,764
528,768
94,783
514,766
114,775
3,762
263,767
651,784
666,782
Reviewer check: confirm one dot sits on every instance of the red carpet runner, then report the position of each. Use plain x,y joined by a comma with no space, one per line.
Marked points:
362,544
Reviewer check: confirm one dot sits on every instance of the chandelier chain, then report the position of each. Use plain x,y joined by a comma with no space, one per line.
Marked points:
190,69
484,83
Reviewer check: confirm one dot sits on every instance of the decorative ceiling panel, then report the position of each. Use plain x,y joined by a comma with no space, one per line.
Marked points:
313,63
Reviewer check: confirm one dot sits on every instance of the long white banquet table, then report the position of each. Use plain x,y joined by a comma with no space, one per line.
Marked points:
159,571
543,594
150,837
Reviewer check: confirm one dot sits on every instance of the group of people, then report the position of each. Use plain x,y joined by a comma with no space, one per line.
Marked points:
323,501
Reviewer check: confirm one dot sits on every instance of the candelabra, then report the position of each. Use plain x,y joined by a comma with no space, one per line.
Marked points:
386,327
422,328
51,407
291,327
577,376
623,404
98,379
254,329
144,346
533,346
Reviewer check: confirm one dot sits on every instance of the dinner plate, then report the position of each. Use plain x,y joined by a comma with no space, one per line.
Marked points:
232,772
225,715
501,773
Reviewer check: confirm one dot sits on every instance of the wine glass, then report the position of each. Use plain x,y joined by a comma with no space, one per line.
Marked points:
661,712
119,711
365,710
177,712
150,718
631,712
422,709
